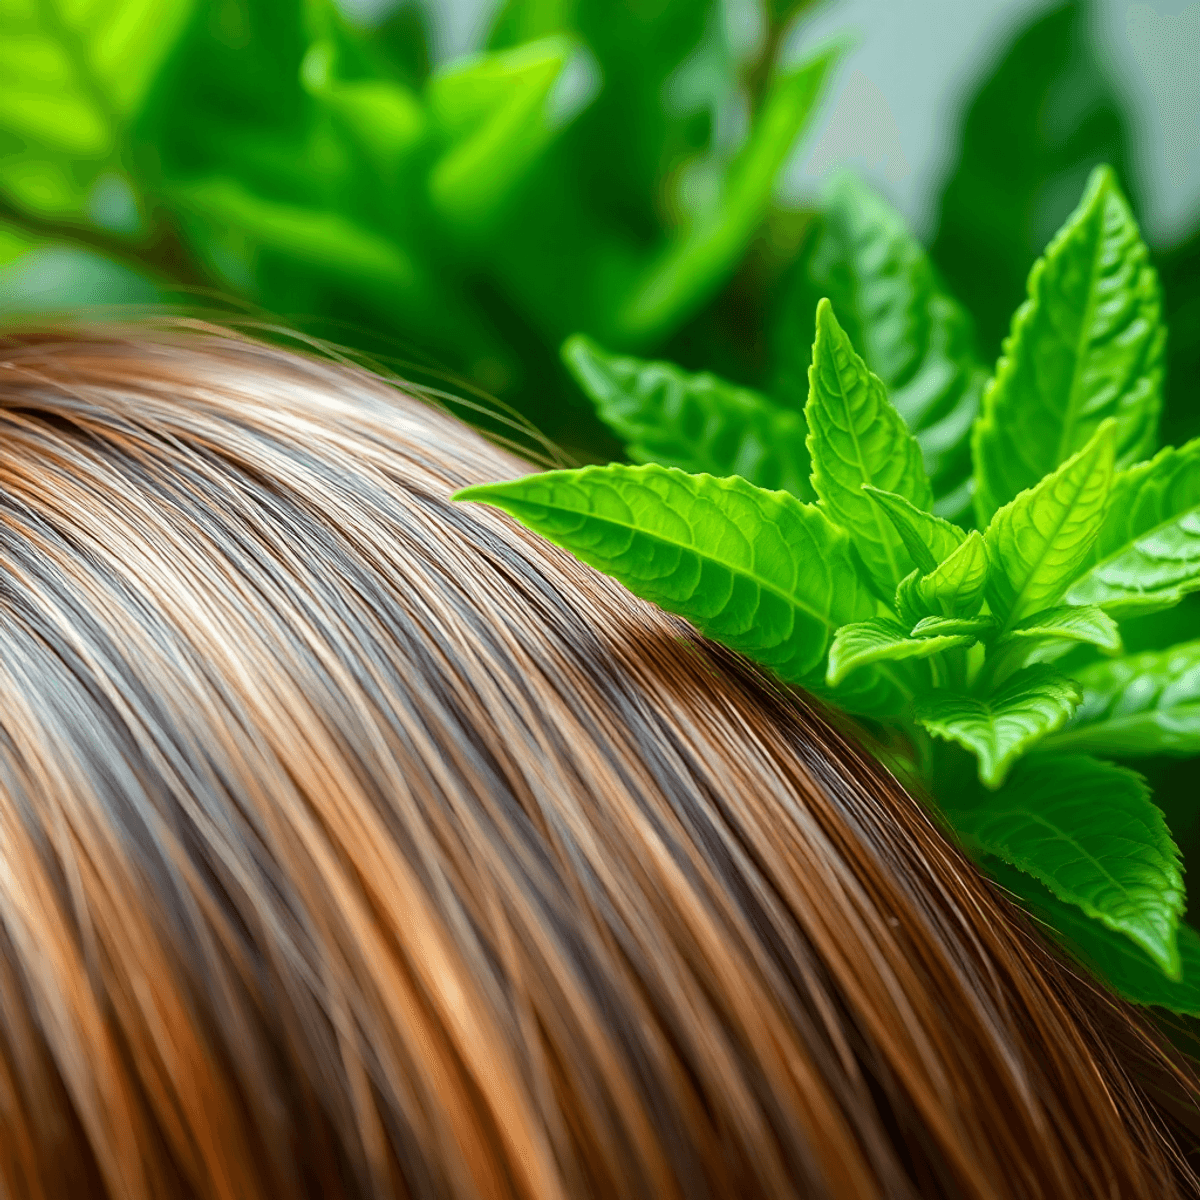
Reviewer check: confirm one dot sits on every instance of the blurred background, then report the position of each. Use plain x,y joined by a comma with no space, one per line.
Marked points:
453,187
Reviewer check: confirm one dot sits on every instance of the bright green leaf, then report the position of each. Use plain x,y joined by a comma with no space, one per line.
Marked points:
856,437
1140,705
759,571
954,589
913,335
1052,632
693,264
927,538
497,110
948,626
878,640
1086,346
1112,956
698,423
1147,555
1037,543
1002,727
1090,833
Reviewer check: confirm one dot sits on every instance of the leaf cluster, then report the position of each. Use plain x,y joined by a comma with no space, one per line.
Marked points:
945,551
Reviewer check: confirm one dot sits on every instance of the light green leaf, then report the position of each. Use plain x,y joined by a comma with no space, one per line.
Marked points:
1089,832
73,78
760,572
954,589
878,640
497,111
1113,957
695,262
1049,634
948,626
1086,346
1037,543
927,538
1143,704
913,335
1002,727
698,423
1147,555
856,437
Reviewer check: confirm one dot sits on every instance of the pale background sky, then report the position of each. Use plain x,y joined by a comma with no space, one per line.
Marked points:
890,109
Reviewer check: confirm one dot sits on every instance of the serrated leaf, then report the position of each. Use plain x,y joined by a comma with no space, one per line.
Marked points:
1086,346
698,423
1139,705
695,262
1049,634
856,437
878,640
1111,956
73,78
954,589
497,112
949,626
760,572
912,334
1147,554
1000,728
1089,832
927,538
1037,543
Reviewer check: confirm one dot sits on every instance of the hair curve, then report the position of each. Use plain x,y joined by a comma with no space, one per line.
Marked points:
356,843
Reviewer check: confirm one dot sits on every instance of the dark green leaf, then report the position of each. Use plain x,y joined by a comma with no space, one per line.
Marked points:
954,589
759,571
882,639
699,259
1086,346
1037,543
1147,555
698,423
913,335
1113,957
856,437
1089,832
1144,704
1002,727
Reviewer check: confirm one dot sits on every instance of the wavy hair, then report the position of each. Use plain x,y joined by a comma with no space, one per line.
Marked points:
359,844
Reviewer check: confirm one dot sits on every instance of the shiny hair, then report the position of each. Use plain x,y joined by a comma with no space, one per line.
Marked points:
358,843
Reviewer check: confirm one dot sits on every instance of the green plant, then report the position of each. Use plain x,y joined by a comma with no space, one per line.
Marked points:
817,541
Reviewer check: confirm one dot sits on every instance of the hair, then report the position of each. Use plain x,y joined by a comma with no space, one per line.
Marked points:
358,843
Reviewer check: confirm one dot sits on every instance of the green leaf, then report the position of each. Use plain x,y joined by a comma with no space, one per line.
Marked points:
912,334
72,80
954,589
1050,633
698,423
1002,727
1089,832
760,572
1140,705
856,437
878,640
1086,346
1037,543
949,626
497,112
1147,555
1111,956
927,538
695,262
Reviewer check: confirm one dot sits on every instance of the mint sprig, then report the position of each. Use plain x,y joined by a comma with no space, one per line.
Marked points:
990,643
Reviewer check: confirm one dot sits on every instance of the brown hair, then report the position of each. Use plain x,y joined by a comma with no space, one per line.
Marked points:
357,843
